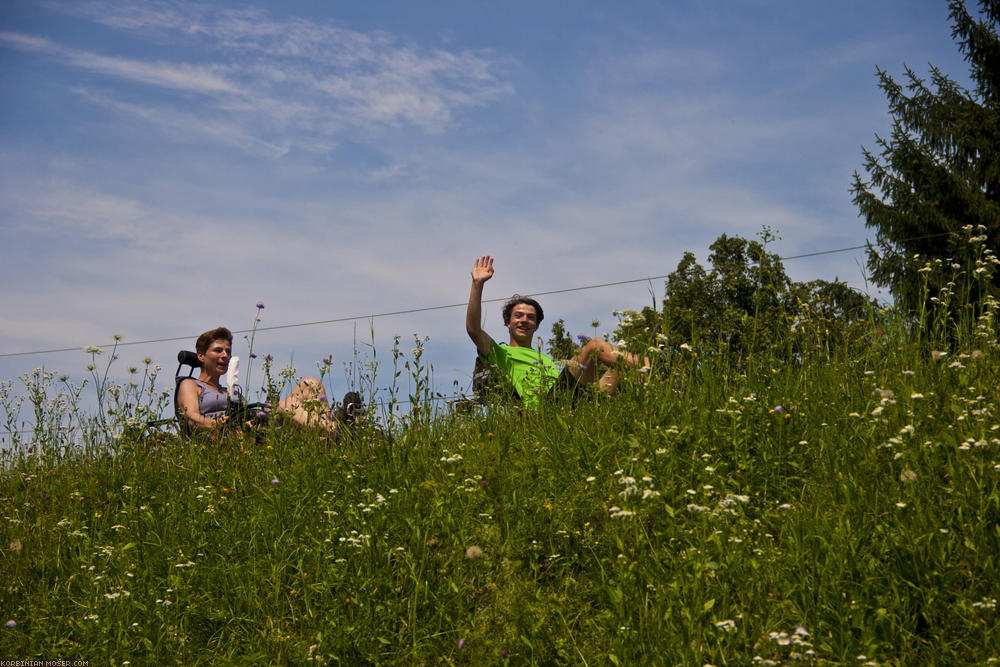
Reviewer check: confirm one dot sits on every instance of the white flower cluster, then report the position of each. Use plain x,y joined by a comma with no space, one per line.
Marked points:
355,539
633,488
378,501
472,484
972,442
801,648
725,506
450,458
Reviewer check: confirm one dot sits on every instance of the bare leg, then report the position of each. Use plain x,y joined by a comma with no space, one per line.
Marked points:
609,381
598,351
307,405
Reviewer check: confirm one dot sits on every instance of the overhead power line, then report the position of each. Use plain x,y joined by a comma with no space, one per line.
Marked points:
276,327
393,313
858,247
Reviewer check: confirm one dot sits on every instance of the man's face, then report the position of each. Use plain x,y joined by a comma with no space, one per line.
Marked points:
523,322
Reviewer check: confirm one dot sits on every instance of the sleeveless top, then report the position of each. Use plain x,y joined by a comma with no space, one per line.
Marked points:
211,403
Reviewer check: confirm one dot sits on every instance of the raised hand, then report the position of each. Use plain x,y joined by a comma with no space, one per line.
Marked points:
483,270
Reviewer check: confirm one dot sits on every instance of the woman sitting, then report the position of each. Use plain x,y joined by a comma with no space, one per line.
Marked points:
203,401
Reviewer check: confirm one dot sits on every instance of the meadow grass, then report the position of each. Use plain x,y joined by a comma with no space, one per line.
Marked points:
840,507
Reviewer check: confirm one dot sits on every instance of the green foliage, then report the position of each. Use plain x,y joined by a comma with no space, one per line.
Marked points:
561,345
939,171
746,306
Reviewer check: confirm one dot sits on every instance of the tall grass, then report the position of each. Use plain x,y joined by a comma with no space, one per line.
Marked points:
836,504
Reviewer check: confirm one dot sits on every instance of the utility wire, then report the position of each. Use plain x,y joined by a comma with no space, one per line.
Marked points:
419,310
335,320
858,247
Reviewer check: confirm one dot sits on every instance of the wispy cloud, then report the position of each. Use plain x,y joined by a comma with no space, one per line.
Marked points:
340,79
178,76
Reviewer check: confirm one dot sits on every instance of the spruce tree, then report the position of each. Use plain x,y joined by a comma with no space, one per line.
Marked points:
935,183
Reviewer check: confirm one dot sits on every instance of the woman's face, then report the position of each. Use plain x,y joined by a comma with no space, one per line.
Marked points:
215,360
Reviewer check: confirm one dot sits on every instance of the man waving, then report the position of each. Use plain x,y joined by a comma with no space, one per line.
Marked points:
531,373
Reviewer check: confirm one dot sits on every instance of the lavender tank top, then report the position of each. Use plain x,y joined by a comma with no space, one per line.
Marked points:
211,403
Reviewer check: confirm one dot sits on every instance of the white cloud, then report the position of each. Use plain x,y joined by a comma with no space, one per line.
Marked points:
310,80
181,76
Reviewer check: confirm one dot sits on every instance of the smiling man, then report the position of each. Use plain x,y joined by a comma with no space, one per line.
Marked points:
531,373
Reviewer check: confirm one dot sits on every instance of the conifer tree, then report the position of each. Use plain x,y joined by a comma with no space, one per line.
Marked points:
939,172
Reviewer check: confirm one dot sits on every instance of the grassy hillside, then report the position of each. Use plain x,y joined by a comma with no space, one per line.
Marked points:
840,508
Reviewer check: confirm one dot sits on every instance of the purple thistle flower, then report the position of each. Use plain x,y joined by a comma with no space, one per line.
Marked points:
253,355
268,357
461,643
778,408
328,359
582,338
11,623
260,305
274,480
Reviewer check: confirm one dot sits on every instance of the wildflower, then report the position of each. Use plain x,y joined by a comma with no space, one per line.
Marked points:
777,408
93,349
582,338
473,552
461,643
11,623
268,357
274,480
728,625
328,359
907,476
938,355
916,397
260,305
590,479
253,355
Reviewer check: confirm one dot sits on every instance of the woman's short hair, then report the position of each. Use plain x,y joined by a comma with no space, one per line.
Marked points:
508,308
206,339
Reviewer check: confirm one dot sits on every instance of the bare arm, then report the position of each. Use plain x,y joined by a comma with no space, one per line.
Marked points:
187,404
481,272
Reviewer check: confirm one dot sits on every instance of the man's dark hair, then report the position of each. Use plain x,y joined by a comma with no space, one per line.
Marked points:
209,337
528,301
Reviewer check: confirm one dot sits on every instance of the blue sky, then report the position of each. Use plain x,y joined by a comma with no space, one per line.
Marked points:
166,165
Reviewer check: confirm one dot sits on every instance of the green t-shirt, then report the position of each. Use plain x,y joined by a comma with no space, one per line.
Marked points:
531,372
